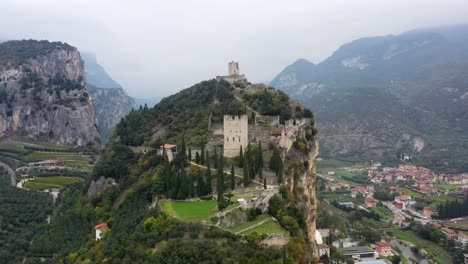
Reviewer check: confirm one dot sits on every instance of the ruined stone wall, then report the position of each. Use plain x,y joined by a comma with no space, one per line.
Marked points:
236,134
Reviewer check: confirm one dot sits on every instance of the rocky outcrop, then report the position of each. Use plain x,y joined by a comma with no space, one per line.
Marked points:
111,105
99,188
43,93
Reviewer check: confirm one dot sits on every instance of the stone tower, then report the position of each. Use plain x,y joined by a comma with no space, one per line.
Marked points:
236,134
233,68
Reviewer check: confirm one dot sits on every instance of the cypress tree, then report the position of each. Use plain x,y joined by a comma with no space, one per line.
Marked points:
200,187
208,176
215,159
197,158
264,184
202,158
241,158
260,158
233,179
189,153
246,174
220,185
190,185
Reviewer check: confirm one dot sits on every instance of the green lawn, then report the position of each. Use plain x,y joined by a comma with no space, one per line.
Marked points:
270,227
447,187
190,211
43,183
412,193
404,236
383,212
237,228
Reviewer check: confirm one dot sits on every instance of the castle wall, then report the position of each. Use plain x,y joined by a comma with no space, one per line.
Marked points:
236,134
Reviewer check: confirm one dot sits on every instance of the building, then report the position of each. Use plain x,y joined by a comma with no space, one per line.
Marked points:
169,150
429,212
359,252
347,204
332,186
41,164
359,191
323,249
462,239
405,200
233,73
236,135
100,228
383,248
370,202
466,258
448,232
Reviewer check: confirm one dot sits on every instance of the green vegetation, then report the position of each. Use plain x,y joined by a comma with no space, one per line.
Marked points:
404,236
243,226
453,209
412,193
270,227
383,212
16,52
190,210
22,213
56,182
447,187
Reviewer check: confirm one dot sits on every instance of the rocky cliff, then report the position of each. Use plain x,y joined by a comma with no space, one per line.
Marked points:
43,93
111,105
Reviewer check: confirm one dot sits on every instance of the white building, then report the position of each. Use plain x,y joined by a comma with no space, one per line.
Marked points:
100,228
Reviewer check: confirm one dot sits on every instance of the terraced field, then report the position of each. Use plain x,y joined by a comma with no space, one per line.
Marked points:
47,183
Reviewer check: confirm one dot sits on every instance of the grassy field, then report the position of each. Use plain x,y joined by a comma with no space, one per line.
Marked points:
240,227
383,212
405,236
43,183
447,187
412,193
190,211
270,227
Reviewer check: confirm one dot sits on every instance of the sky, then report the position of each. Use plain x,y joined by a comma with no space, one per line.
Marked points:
156,48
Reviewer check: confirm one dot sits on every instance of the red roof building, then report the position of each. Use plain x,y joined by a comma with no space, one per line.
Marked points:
383,248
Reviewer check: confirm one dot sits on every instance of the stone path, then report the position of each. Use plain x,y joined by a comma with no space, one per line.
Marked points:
254,226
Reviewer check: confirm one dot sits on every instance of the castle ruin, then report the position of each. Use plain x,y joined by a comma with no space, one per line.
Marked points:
233,73
236,135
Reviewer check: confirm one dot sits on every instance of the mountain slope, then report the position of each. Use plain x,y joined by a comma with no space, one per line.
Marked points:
43,93
385,95
97,75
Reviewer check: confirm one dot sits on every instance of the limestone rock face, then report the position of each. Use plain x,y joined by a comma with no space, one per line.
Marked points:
43,94
111,105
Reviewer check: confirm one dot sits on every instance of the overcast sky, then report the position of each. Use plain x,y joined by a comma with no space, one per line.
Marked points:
155,48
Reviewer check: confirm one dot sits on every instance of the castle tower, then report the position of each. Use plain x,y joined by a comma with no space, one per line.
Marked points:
236,134
233,68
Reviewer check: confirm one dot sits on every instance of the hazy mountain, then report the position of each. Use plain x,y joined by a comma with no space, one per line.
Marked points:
96,74
382,95
44,93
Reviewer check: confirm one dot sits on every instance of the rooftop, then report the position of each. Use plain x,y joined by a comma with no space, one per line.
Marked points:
101,226
357,250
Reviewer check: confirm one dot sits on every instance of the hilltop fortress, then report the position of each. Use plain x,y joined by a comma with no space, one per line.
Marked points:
233,74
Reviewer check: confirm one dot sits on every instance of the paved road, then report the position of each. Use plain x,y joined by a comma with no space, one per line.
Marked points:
11,172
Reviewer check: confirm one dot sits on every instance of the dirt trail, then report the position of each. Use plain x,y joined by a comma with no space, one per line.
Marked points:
11,172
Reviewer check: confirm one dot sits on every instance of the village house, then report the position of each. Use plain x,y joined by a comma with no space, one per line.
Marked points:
323,249
383,248
359,191
404,200
448,232
330,178
100,228
347,204
332,186
429,212
344,184
462,239
370,202
169,150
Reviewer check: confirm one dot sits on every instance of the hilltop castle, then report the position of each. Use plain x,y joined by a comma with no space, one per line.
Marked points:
233,73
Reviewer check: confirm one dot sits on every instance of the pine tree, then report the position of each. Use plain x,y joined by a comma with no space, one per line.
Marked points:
241,158
233,179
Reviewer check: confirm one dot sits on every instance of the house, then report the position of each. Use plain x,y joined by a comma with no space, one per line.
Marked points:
242,202
462,239
429,212
383,248
44,163
466,258
99,229
323,249
398,205
344,184
331,173
169,150
330,178
370,202
405,200
359,252
347,204
332,186
358,191
448,232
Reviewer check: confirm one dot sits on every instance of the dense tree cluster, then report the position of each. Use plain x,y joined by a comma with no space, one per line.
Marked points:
453,209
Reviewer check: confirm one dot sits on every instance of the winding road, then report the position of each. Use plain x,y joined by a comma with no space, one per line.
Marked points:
11,172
